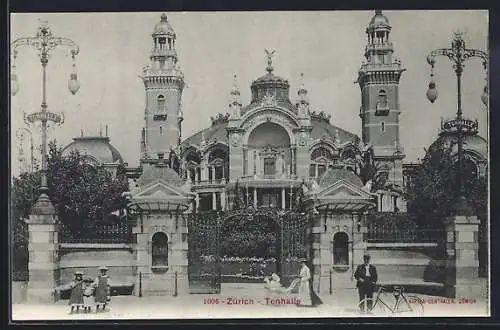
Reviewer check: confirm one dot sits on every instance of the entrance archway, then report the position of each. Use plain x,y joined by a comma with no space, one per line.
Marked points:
250,247
219,240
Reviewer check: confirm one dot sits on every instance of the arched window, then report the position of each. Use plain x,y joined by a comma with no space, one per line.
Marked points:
321,160
382,127
161,130
340,249
159,252
218,161
193,161
382,98
161,105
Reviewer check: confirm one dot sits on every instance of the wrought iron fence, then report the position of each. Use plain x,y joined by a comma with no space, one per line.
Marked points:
405,228
115,233
20,275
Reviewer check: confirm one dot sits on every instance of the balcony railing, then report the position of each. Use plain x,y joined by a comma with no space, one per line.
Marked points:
209,182
116,233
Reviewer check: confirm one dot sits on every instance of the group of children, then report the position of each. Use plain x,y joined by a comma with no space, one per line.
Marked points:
86,292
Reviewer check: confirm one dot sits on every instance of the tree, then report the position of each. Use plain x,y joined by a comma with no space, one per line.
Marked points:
368,169
435,186
81,194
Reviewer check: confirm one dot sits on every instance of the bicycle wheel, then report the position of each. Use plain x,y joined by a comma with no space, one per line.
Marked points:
413,307
371,307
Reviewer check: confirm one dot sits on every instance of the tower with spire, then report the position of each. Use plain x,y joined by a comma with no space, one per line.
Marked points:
163,83
378,79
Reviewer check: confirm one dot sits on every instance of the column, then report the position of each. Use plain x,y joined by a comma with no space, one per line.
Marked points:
462,258
197,202
255,197
292,165
283,196
245,162
214,201
43,255
142,260
315,170
204,176
223,199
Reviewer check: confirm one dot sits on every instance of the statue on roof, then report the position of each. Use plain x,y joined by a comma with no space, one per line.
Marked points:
269,56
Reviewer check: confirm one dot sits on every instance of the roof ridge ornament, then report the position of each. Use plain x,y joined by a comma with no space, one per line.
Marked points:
269,100
269,56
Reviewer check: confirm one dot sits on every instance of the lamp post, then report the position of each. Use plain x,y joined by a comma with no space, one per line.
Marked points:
20,135
458,54
45,44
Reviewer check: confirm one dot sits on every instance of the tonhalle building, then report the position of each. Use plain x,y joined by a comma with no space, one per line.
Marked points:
259,161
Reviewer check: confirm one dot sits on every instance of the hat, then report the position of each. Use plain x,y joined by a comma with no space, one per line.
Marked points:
302,259
103,268
78,273
88,279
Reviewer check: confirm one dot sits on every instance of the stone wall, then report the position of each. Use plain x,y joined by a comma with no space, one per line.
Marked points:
407,263
19,291
119,258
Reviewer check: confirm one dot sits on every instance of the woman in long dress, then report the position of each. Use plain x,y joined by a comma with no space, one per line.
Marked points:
304,287
307,296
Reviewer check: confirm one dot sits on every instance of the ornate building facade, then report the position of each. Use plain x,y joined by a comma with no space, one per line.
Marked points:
263,155
274,158
277,141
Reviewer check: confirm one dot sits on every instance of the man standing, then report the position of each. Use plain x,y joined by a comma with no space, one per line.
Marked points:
366,277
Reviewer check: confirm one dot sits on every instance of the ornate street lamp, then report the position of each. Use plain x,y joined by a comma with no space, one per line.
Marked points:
20,135
45,44
458,54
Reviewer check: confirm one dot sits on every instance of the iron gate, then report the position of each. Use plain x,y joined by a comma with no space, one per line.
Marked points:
204,252
205,235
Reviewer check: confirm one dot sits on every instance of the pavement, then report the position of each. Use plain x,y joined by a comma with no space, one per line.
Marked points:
243,303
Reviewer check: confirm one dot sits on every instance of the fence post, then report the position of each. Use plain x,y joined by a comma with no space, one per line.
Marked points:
175,284
330,291
140,284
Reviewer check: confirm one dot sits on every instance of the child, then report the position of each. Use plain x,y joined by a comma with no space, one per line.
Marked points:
76,297
88,294
102,286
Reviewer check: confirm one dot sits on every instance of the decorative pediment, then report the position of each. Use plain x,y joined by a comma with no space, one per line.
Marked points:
159,190
344,190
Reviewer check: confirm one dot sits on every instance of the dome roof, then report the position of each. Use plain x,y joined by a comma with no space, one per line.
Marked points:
472,143
320,128
379,20
152,173
270,78
96,147
164,27
215,132
334,175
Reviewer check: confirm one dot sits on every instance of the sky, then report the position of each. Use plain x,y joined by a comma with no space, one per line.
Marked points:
326,46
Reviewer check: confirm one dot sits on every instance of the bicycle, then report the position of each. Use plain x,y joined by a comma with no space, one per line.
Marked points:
410,304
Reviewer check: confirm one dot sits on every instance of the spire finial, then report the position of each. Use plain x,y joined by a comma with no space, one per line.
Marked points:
81,132
269,56
235,90
100,130
302,90
302,81
378,11
106,130
164,17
